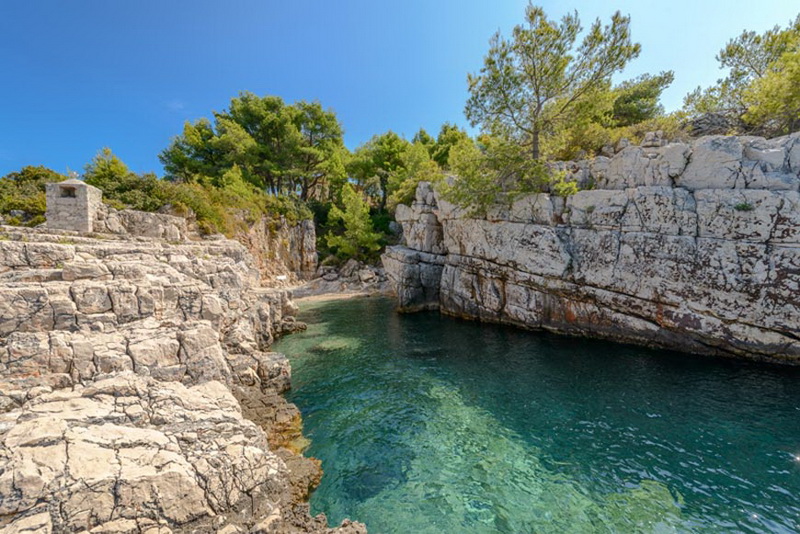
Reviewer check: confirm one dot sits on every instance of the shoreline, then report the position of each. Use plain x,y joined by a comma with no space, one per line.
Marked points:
139,392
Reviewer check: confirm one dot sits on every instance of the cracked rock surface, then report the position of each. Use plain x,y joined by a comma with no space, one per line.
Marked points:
691,247
138,393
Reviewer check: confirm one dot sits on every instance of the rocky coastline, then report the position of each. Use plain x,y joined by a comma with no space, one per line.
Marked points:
138,393
694,247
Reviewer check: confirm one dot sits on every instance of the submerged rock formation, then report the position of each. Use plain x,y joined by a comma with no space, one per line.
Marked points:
137,389
692,247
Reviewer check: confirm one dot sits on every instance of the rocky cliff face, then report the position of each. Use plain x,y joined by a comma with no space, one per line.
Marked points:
138,392
284,253
693,247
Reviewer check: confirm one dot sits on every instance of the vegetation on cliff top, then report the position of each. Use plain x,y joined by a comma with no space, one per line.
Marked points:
761,93
544,93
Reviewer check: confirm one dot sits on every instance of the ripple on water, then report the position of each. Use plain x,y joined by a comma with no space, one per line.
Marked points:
427,424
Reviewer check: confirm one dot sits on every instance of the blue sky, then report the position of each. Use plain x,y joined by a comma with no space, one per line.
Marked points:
79,75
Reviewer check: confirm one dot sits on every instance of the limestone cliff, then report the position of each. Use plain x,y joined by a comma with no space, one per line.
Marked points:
137,390
692,247
284,252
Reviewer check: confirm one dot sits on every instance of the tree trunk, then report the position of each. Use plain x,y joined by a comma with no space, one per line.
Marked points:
535,142
384,180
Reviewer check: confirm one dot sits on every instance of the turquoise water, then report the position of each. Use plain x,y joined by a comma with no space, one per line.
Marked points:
428,424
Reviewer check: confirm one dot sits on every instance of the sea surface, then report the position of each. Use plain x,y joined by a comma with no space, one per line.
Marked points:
429,424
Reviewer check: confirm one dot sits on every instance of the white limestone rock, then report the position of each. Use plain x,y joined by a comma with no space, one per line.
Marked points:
715,163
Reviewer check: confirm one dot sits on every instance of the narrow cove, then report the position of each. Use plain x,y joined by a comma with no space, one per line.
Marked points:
429,424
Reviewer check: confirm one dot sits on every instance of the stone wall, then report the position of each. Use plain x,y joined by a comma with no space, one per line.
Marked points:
692,247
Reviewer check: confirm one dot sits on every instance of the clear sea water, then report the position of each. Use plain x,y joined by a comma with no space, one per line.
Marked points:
427,424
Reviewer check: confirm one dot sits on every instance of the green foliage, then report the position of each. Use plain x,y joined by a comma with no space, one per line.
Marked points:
221,204
761,85
424,138
587,139
494,172
743,206
358,238
373,162
284,149
561,187
120,186
449,136
637,100
416,166
773,100
23,192
535,82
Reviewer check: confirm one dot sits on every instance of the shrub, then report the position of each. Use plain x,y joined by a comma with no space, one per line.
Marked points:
494,172
23,192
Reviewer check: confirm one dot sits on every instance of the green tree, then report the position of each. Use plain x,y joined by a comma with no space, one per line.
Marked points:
449,136
424,138
292,149
637,100
748,58
22,196
773,100
529,85
193,154
417,166
493,171
358,239
121,187
373,162
320,152
105,170
611,113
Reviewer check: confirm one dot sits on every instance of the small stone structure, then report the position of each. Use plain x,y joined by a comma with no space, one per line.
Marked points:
71,205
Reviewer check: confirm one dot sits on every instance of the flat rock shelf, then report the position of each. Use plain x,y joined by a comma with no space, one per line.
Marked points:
426,423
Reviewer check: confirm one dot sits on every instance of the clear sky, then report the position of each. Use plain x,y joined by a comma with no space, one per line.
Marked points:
79,75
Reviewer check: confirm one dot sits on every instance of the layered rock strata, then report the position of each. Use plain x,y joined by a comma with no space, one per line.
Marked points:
284,253
138,392
694,247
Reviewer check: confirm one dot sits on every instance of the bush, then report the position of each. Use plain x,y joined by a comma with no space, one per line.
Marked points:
23,192
225,204
496,172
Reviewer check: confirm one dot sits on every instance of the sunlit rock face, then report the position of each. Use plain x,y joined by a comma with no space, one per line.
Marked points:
693,247
137,389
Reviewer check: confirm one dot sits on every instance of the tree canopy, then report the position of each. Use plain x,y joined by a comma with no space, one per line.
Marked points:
531,83
373,162
292,149
357,239
638,100
760,86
